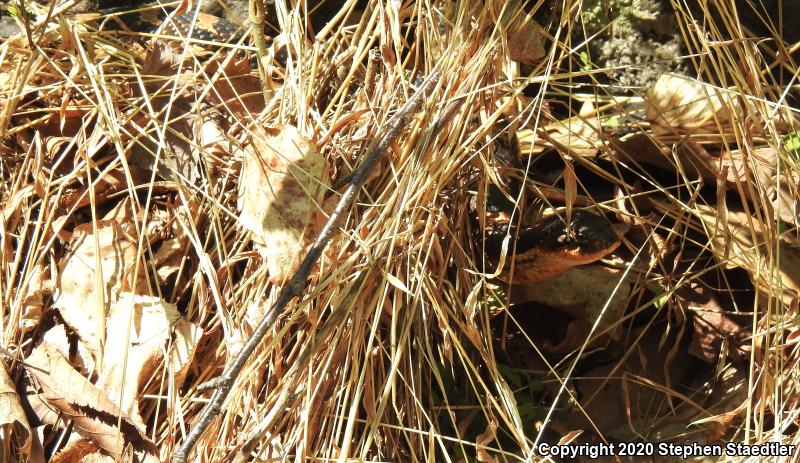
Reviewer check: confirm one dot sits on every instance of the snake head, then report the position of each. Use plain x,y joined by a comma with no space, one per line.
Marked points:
553,246
587,234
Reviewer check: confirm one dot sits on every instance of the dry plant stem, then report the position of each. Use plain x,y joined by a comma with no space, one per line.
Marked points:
256,16
297,283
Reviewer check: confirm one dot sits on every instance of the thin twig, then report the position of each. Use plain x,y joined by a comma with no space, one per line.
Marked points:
256,17
298,282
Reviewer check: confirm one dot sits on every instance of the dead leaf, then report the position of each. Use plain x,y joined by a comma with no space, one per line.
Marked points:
138,329
12,417
12,209
84,292
680,103
525,39
169,258
83,451
578,135
743,241
570,437
161,59
281,187
236,87
615,396
92,413
780,185
39,287
73,349
711,326
184,346
734,168
177,153
484,439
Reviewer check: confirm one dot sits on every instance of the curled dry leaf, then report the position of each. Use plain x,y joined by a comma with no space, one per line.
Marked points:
178,154
169,258
184,346
615,396
12,417
138,330
236,87
83,451
734,168
39,286
78,354
93,414
12,210
161,59
780,184
281,187
743,241
524,38
726,402
485,439
81,286
711,326
679,102
578,135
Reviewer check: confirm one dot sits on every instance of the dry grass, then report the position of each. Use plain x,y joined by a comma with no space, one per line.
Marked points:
393,354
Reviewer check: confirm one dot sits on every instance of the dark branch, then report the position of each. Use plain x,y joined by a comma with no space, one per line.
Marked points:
297,284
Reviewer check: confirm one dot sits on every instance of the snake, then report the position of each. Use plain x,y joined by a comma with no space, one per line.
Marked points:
551,246
154,19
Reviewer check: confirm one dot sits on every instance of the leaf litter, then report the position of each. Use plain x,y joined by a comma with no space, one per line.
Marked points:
156,197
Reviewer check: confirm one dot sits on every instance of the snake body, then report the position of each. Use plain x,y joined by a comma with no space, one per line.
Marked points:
154,19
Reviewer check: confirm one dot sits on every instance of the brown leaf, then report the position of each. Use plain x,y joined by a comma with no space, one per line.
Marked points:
484,439
77,353
614,396
578,135
12,209
681,103
712,326
84,292
81,450
733,168
743,241
39,286
183,348
93,414
570,437
236,87
178,153
524,38
111,182
138,329
169,258
12,416
161,59
281,187
692,158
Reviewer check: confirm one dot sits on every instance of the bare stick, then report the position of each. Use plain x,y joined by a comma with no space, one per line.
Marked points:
297,284
256,15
